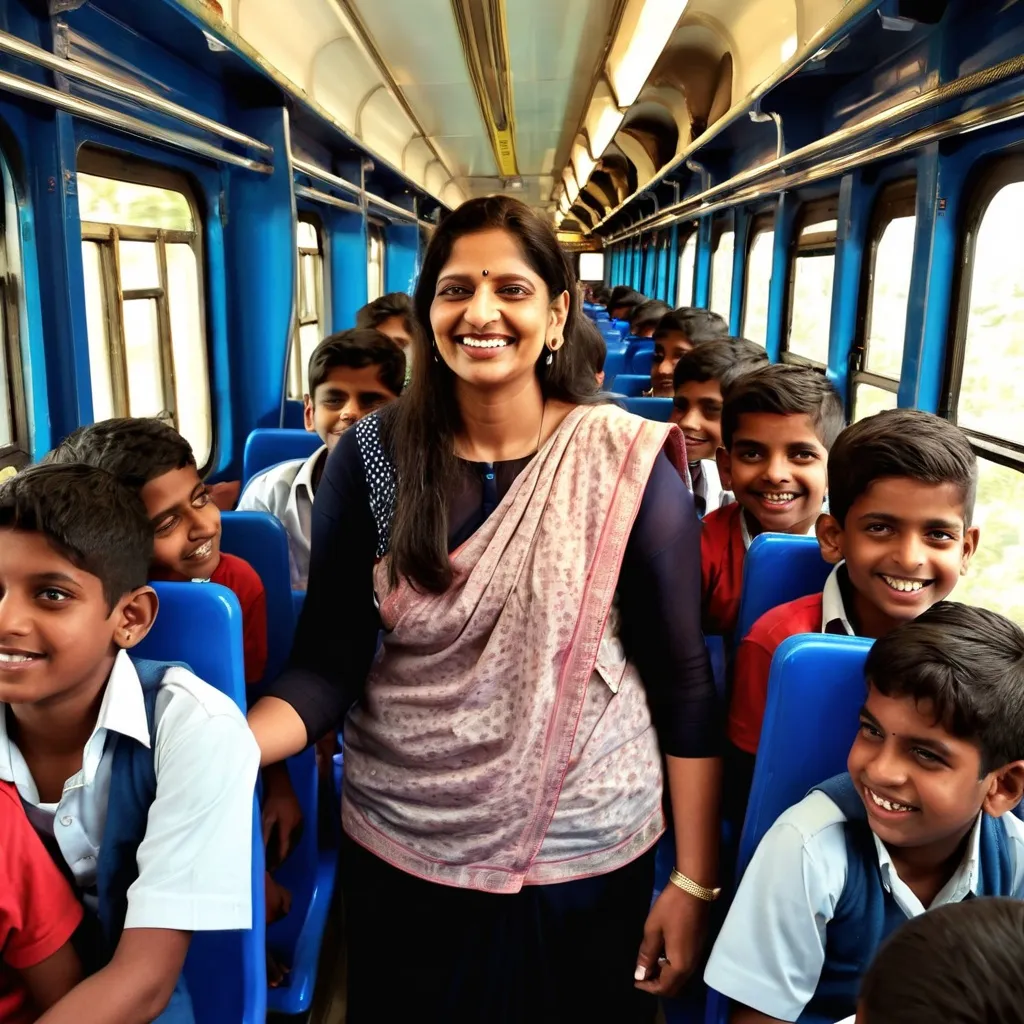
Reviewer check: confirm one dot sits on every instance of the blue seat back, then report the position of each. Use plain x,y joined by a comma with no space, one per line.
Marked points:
815,692
262,541
292,418
267,446
778,568
622,326
200,624
610,333
630,385
615,359
659,409
641,359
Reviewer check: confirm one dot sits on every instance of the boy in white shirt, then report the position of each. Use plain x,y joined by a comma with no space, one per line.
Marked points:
351,374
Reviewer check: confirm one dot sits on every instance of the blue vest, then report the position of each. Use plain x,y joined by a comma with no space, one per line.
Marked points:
867,914
132,791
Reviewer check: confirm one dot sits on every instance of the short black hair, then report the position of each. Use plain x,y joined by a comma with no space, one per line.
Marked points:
89,517
724,360
697,325
958,963
968,663
600,293
786,390
900,443
593,344
625,297
357,348
373,314
647,314
135,449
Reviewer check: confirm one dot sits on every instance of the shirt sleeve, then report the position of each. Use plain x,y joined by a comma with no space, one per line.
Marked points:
195,860
659,597
749,695
771,949
337,631
253,499
38,911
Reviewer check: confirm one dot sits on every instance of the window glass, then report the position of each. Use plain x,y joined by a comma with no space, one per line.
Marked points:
890,293
6,412
996,576
687,266
867,400
759,281
147,340
591,266
810,312
990,400
307,235
375,264
721,275
310,306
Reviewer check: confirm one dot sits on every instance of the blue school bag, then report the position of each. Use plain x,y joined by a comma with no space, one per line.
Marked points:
132,791
866,914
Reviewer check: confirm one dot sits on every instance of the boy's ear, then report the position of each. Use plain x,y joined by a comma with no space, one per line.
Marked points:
724,461
972,538
136,613
1006,788
830,538
307,414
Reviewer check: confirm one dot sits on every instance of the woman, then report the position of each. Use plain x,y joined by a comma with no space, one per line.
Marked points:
503,780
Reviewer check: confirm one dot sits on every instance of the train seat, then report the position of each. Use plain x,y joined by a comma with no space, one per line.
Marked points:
640,359
267,446
615,359
659,409
630,385
200,624
609,331
778,568
292,415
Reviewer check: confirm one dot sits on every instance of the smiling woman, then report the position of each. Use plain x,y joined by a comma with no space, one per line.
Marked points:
503,753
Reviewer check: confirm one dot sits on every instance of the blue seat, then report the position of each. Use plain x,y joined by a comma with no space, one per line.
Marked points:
615,360
200,624
778,568
267,446
659,409
622,326
601,316
609,332
262,541
293,417
640,360
630,385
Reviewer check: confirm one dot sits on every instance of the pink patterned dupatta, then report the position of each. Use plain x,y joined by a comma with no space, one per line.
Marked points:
503,738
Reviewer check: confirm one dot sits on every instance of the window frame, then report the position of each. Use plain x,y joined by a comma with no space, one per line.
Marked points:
112,165
687,230
376,228
17,453
895,201
995,176
759,224
813,212
296,371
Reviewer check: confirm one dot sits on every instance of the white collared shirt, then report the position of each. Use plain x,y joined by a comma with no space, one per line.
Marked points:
708,493
771,949
286,492
834,617
195,859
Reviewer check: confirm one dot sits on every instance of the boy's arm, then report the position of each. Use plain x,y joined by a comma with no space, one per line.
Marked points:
54,977
134,988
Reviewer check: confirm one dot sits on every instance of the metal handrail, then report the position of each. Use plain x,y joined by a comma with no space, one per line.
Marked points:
62,66
316,196
313,171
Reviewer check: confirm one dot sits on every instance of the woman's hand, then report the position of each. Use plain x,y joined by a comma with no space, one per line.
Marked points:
675,930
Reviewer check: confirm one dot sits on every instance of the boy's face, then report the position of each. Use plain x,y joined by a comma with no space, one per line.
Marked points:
343,399
905,544
394,327
777,468
922,786
57,637
668,350
186,524
697,412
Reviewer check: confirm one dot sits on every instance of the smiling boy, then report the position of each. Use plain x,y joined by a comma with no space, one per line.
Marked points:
678,332
920,820
778,424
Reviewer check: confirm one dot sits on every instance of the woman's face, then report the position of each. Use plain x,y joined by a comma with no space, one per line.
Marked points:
492,314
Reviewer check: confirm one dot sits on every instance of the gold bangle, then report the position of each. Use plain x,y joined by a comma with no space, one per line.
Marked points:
678,879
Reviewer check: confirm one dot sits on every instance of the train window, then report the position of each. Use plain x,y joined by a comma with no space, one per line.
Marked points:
758,280
141,255
375,263
721,273
810,284
885,296
309,305
687,267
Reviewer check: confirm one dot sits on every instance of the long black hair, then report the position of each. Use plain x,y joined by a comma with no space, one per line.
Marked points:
420,429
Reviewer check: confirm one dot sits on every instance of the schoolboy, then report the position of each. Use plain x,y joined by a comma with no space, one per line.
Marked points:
918,821
678,332
778,424
958,963
898,531
155,828
38,916
699,380
154,459
622,302
350,375
393,315
646,317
